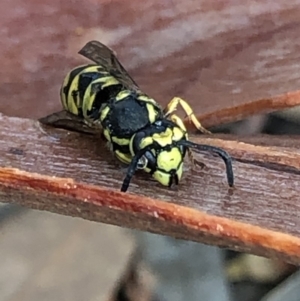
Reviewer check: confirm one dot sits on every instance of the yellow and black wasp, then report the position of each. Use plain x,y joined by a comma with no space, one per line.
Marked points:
139,132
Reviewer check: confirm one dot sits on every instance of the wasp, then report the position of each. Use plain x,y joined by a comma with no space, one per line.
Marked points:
138,131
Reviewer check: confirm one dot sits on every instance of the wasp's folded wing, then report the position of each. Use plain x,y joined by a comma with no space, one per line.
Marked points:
68,121
105,57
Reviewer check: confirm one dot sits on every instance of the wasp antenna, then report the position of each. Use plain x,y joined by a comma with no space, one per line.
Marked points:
222,153
132,168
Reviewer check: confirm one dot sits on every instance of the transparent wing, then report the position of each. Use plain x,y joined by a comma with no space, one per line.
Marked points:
68,121
104,56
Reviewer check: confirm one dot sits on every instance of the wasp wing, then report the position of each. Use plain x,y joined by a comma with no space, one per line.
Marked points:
104,56
68,121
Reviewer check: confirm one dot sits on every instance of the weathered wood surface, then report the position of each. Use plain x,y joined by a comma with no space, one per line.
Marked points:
74,174
215,54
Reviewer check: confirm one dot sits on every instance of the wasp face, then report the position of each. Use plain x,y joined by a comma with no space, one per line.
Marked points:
162,158
167,165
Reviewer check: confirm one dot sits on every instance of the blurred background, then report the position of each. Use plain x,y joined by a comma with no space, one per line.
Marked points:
215,54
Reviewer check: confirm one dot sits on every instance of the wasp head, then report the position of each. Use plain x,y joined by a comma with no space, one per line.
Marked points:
160,150
155,150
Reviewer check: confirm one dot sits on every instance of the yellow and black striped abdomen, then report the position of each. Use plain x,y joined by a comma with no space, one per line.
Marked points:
86,88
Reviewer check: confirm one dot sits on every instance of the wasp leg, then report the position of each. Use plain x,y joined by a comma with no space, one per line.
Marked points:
177,120
172,106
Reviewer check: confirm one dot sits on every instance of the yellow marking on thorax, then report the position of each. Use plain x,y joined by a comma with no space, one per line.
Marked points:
120,141
145,142
145,98
163,138
104,113
123,94
152,112
125,158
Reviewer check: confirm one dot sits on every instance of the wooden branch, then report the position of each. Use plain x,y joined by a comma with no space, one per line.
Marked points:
74,174
242,111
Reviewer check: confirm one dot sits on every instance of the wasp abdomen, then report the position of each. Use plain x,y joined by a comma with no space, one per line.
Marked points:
86,88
